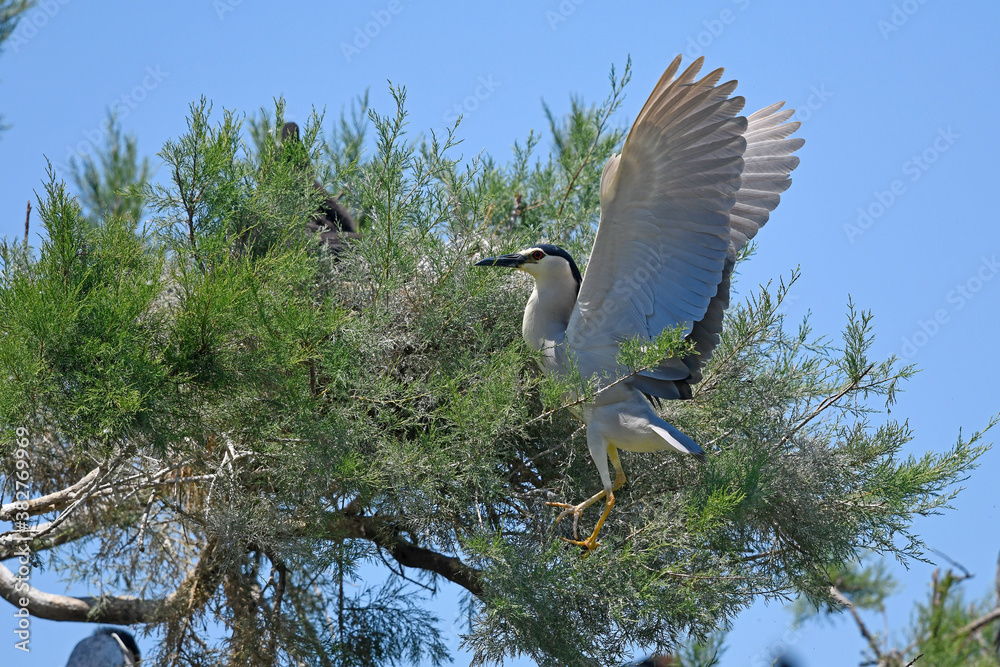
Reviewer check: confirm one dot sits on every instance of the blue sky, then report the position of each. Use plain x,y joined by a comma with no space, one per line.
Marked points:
888,206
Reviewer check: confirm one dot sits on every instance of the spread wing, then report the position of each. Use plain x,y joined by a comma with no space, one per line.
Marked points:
768,161
664,235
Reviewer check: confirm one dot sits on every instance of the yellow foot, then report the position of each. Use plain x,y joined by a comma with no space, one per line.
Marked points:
590,543
577,510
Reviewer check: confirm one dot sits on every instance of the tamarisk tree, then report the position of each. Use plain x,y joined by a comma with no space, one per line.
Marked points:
946,630
230,427
110,181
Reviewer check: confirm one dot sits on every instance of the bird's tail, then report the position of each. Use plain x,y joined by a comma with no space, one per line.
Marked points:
678,440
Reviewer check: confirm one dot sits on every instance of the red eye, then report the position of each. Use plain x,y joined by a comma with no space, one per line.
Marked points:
538,254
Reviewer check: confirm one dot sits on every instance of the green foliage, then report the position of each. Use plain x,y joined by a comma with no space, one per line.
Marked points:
285,418
346,146
642,353
938,623
582,143
78,326
865,588
10,14
111,182
707,653
944,630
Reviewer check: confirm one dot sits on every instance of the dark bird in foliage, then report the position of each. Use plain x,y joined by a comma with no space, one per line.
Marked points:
332,221
996,586
107,647
694,182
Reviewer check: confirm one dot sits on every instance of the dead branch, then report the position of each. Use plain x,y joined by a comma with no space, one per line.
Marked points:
53,501
842,599
123,610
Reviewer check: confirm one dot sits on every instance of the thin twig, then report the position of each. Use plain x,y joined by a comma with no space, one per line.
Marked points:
839,597
585,398
145,518
824,405
979,623
279,591
550,450
52,501
597,138
76,503
954,563
27,219
764,554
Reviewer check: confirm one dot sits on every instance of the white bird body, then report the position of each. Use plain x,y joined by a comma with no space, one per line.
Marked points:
693,183
547,314
619,414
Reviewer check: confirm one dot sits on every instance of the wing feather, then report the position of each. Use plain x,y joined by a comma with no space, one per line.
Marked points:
664,236
768,163
693,184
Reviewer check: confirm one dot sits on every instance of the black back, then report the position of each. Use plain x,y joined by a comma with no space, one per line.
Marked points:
331,221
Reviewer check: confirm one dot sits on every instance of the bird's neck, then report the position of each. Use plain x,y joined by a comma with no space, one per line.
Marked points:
547,314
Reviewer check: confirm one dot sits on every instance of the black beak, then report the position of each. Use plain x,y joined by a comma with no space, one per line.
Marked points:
513,261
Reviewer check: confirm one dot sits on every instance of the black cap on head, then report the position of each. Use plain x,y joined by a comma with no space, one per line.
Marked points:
531,255
556,251
126,638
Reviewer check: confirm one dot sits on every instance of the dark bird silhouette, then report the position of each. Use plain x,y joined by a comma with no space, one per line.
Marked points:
656,661
107,647
332,221
996,585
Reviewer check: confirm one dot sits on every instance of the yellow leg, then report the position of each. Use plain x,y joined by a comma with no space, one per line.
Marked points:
591,542
619,473
576,510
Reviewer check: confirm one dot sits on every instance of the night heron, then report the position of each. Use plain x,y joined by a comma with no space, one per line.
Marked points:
694,182
332,221
107,647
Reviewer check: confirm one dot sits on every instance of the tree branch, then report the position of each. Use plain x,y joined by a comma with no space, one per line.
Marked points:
191,594
27,222
53,501
69,531
979,623
842,599
387,537
123,610
613,103
826,403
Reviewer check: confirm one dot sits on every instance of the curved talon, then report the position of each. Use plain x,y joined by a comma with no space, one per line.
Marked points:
575,510
591,542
